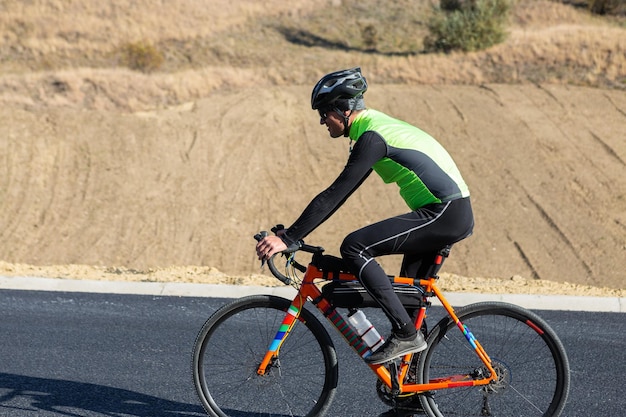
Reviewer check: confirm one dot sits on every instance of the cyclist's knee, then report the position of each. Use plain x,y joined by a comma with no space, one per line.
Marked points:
351,247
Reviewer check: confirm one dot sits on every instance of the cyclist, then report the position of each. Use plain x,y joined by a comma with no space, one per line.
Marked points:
428,181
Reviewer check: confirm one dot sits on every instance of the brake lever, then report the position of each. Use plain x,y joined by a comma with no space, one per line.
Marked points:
277,228
259,236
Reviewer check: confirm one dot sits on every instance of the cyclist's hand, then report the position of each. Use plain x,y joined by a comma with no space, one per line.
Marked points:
268,246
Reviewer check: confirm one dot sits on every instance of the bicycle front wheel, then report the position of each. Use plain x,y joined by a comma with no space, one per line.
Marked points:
301,381
528,357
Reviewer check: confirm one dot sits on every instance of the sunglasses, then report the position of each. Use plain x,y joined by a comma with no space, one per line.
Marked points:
324,113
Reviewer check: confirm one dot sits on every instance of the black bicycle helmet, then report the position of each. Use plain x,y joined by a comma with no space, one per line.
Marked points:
338,85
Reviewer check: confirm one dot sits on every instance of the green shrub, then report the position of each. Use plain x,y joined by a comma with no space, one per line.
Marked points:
369,36
602,7
451,5
467,25
611,7
140,56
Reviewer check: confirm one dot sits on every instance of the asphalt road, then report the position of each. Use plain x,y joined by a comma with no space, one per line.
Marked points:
97,355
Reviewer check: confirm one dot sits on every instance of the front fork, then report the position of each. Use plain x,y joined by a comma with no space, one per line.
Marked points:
293,312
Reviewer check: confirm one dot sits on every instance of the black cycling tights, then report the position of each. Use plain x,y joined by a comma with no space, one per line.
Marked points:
416,235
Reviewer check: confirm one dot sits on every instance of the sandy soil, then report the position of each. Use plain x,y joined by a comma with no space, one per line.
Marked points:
208,275
111,174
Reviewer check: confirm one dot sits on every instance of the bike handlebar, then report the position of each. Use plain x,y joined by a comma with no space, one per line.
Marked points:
270,262
298,246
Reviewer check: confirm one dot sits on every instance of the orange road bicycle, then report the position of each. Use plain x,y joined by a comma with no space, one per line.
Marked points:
484,359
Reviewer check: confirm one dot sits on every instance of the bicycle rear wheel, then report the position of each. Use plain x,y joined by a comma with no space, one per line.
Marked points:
531,363
230,346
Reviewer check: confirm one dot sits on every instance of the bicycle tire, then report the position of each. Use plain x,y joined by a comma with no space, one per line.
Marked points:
231,345
530,360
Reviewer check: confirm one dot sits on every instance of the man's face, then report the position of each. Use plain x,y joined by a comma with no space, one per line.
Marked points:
333,121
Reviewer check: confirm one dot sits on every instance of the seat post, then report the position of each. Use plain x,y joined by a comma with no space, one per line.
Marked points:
441,255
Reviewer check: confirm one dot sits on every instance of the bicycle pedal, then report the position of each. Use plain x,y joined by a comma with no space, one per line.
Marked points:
395,377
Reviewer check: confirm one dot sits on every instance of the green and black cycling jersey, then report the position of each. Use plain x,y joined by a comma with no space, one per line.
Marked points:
400,153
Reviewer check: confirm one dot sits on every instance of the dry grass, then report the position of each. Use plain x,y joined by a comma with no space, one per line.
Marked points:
75,44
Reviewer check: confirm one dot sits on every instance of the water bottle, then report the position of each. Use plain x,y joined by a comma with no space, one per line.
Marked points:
365,329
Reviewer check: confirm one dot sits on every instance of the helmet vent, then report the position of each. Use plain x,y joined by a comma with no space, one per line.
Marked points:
338,85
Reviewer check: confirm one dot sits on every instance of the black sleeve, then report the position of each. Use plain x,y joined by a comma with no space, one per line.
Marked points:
366,152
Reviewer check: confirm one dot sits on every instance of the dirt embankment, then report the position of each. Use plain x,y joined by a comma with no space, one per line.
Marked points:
122,175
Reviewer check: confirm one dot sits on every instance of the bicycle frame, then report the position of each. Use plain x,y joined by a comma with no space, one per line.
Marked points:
391,376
